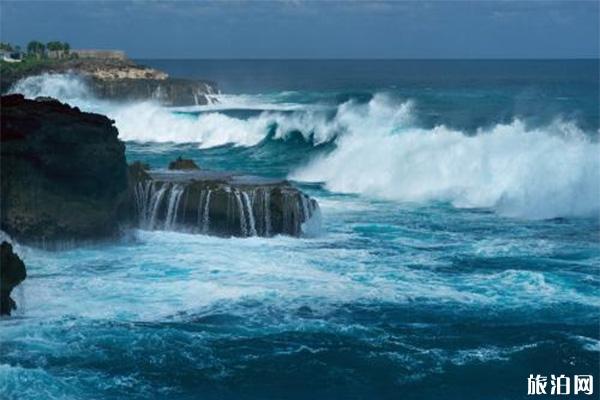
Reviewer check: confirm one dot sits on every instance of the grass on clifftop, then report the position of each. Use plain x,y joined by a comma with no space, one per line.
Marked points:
27,65
12,72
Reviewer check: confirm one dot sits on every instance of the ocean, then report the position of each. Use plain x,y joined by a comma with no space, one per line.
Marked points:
458,251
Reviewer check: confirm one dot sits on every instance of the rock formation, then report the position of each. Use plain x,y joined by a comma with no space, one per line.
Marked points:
12,273
168,91
222,204
63,172
183,164
119,80
64,178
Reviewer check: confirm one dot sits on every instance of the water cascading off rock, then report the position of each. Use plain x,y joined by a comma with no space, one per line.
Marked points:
222,204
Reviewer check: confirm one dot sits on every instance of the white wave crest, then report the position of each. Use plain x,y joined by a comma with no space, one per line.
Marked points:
542,172
149,122
534,173
68,88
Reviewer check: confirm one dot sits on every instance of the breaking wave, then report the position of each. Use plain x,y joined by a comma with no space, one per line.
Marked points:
68,88
380,149
207,125
533,173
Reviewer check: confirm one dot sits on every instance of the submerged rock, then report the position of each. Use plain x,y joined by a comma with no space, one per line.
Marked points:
182,164
12,273
63,172
223,204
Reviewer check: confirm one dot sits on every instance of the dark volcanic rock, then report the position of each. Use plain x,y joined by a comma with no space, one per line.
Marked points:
182,164
63,172
12,273
138,171
223,204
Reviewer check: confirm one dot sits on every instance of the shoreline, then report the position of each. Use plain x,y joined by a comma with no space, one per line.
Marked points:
114,80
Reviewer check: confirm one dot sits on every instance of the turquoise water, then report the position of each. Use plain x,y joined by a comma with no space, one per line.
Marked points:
458,251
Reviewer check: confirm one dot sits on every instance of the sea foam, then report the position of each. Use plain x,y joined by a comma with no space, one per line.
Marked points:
541,172
381,151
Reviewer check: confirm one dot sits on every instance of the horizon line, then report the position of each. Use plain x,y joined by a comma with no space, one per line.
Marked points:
597,58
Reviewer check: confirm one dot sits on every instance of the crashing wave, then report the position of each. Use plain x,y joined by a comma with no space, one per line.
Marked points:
540,172
532,173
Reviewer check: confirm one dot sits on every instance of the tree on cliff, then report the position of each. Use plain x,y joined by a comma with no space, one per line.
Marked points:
54,46
58,49
36,48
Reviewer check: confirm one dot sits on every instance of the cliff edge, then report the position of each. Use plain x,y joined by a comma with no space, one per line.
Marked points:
115,79
63,172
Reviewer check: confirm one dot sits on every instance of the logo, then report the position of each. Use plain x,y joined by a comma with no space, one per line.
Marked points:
560,385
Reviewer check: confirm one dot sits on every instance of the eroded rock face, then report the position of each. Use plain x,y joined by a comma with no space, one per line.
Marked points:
63,172
120,80
12,273
167,91
222,204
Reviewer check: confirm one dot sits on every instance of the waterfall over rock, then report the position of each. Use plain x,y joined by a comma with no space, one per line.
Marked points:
221,204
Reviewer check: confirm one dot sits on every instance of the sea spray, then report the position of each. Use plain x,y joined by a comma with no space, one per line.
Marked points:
543,172
69,88
409,296
382,152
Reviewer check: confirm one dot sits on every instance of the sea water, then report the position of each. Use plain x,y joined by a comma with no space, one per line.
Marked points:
458,251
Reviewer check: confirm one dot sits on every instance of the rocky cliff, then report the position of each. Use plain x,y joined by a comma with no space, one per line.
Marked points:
63,172
117,80
64,178
168,92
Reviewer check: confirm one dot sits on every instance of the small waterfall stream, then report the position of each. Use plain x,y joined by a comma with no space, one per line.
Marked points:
174,198
242,216
251,221
203,214
155,201
222,210
267,212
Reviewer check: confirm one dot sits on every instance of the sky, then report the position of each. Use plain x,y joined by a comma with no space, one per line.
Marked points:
312,29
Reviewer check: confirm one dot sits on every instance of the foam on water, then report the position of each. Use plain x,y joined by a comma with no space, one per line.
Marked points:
519,171
542,172
195,272
149,122
399,293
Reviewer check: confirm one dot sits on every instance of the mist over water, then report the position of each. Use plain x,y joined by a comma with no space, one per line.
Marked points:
459,241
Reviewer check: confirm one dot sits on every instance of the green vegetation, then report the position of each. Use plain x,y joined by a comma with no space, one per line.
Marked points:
38,50
10,72
36,59
27,63
58,46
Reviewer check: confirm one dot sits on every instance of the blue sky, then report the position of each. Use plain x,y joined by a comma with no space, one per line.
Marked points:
312,29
